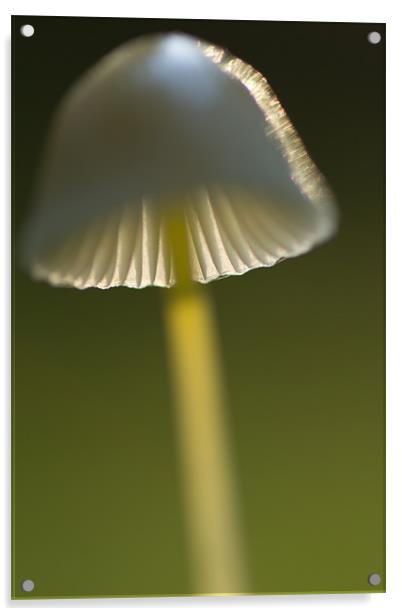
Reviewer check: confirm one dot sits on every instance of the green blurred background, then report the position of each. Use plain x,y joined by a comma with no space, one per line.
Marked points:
96,493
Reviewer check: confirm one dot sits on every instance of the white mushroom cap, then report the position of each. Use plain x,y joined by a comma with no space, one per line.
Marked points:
168,121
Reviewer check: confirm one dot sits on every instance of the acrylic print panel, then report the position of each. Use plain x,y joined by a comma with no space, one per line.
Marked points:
220,438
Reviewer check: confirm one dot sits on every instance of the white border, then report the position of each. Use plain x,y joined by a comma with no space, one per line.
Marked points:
285,10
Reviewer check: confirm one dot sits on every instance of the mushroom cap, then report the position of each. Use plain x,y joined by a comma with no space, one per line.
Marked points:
167,123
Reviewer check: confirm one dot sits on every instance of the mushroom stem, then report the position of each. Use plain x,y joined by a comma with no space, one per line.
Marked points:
208,479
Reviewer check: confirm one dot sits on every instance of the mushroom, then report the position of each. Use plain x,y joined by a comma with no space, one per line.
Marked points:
172,162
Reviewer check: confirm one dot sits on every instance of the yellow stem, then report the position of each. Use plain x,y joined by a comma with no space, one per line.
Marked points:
208,482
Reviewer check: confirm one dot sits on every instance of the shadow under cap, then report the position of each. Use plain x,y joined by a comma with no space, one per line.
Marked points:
171,120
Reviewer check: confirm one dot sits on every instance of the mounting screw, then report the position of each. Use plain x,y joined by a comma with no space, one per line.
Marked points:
374,38
374,579
27,30
28,585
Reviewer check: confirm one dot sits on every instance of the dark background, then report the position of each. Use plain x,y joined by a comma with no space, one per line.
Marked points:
96,500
